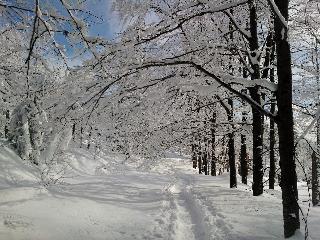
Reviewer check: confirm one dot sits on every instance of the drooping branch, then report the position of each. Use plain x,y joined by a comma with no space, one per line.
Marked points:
168,28
217,78
277,13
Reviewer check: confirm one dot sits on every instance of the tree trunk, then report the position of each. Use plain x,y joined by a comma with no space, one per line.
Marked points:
243,159
231,149
257,138
200,163
7,119
272,170
272,141
73,131
200,158
316,167
257,117
315,179
285,125
194,155
243,149
213,142
205,158
316,156
6,128
81,136
89,138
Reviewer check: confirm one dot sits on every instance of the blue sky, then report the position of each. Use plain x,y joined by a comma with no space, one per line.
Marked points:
105,28
106,25
100,8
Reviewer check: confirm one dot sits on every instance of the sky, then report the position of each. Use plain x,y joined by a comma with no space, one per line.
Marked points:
105,25
108,26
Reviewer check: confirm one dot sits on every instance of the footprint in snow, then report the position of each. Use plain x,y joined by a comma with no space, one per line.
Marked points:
13,222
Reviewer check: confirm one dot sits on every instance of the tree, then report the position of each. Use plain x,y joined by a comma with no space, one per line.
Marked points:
196,14
285,120
257,117
37,80
306,44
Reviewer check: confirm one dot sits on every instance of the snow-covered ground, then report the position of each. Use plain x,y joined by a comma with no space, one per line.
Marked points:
109,198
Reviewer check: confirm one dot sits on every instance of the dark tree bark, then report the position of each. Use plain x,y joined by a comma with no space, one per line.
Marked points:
81,136
205,157
272,137
7,117
316,156
257,117
89,140
272,170
285,124
243,149
243,156
231,149
199,158
200,164
269,71
244,160
194,155
213,142
229,110
314,180
6,128
73,131
269,57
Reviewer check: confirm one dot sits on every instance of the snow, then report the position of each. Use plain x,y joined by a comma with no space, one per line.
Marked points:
278,13
108,197
315,119
246,33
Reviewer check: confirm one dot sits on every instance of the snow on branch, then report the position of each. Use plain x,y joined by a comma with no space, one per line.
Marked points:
217,78
226,4
16,9
278,14
251,83
244,32
179,21
317,116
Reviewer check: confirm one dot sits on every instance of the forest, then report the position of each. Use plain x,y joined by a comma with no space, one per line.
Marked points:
159,119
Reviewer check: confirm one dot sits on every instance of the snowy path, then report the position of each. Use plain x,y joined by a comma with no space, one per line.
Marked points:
185,218
167,201
186,222
185,215
205,224
158,204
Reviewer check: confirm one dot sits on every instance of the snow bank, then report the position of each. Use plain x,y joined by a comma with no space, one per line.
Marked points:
109,197
14,170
